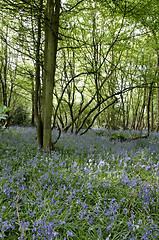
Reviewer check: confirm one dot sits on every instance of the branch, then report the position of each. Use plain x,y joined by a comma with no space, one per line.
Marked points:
74,6
98,115
59,129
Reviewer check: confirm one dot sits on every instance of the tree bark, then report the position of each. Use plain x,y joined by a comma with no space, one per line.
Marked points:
157,79
157,129
148,109
51,41
152,113
37,112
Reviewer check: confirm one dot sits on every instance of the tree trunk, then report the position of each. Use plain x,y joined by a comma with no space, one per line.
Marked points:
37,112
141,116
157,129
32,98
152,113
157,79
51,41
1,96
123,112
148,109
5,71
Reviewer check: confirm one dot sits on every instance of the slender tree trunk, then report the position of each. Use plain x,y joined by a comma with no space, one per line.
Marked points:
148,109
37,112
152,113
5,71
96,63
157,79
32,98
157,129
1,96
136,110
141,117
127,113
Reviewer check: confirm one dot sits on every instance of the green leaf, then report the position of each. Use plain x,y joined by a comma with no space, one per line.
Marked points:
3,116
9,131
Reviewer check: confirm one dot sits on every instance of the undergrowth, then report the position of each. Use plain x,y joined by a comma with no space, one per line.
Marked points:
92,187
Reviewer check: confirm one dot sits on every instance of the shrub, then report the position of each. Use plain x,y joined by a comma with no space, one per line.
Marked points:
3,115
118,136
19,116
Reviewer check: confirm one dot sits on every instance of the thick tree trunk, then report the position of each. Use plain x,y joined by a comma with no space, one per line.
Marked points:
51,41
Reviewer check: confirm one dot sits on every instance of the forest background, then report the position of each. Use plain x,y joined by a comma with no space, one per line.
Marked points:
78,64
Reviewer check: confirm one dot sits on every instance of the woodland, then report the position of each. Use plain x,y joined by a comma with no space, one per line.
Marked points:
79,119
78,64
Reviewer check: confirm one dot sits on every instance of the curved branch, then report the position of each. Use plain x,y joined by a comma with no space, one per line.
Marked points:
98,115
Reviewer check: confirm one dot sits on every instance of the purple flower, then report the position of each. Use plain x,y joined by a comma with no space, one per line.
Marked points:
125,211
55,233
24,224
69,233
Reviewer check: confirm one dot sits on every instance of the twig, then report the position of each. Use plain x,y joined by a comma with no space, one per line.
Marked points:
149,182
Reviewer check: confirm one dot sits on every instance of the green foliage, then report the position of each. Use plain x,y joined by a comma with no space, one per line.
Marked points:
3,117
106,36
103,132
19,116
3,112
118,136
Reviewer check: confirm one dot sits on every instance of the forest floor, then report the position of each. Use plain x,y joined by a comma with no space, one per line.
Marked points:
91,188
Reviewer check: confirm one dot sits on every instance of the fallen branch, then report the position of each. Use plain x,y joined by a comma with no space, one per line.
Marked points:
142,136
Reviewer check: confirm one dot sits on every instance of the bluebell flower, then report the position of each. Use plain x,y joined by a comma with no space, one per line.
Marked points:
55,234
70,233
